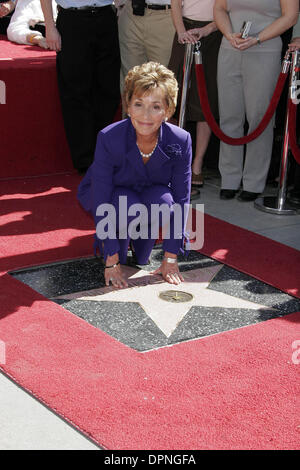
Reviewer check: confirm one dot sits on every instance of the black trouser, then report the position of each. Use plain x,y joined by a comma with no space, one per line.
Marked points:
40,27
4,22
297,167
88,70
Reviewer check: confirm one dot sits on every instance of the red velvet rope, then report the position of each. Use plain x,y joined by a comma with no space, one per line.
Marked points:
211,120
292,130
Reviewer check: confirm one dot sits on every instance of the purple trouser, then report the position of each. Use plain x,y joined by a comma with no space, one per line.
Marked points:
155,194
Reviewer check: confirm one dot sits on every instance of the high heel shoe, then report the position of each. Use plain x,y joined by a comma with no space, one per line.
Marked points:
133,261
197,180
228,193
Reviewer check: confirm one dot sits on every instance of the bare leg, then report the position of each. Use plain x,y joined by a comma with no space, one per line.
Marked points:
203,134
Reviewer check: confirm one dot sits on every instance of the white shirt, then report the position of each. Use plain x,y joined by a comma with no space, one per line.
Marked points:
199,10
83,3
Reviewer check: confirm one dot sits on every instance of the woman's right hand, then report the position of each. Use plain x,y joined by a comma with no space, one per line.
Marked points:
187,38
114,274
235,39
294,45
53,38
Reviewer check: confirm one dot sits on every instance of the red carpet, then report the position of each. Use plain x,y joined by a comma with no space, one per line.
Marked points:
38,225
33,140
235,390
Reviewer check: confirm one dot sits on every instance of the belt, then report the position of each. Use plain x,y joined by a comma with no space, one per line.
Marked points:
87,9
153,6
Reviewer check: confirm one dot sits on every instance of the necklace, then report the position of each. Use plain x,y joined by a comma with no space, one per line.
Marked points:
148,155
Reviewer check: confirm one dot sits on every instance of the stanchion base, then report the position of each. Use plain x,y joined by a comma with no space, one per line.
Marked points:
270,204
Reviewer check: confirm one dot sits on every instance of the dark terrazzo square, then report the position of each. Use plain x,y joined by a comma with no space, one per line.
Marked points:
240,285
207,321
128,323
64,278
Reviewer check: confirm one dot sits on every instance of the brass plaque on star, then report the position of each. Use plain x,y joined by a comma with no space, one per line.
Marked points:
175,296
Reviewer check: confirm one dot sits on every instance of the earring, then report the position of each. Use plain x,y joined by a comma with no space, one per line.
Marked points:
128,114
166,119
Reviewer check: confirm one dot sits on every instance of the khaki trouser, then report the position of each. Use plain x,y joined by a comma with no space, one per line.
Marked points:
144,38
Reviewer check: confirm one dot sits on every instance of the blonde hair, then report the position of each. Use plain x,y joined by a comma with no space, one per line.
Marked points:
142,79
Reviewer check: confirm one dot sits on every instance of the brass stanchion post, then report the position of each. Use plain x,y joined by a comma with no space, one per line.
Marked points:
188,60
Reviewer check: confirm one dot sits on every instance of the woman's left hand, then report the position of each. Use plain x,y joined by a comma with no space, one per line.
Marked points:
187,38
170,272
243,44
294,45
203,32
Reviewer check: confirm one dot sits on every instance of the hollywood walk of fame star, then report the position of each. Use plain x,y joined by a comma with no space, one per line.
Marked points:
150,290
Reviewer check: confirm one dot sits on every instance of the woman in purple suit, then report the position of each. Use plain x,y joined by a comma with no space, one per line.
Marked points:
141,164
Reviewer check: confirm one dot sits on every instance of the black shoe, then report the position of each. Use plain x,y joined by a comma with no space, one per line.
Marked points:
228,193
294,196
195,193
132,260
247,196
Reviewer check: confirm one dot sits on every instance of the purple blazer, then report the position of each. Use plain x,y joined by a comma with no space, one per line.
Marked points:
118,162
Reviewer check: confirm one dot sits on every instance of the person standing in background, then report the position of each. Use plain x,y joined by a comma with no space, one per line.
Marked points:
146,33
194,21
85,38
247,73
